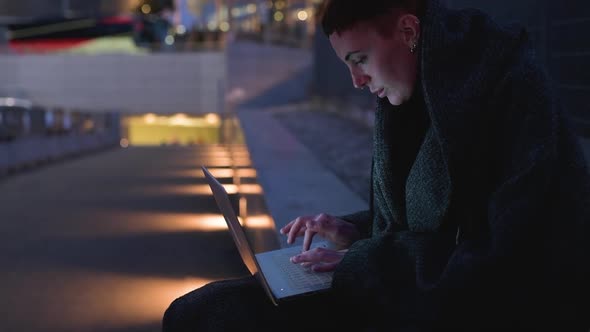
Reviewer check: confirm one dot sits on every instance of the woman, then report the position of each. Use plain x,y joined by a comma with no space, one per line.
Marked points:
480,193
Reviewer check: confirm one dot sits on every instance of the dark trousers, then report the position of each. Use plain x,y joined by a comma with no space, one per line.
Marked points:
242,305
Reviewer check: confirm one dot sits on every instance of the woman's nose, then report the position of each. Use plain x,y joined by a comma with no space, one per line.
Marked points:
360,80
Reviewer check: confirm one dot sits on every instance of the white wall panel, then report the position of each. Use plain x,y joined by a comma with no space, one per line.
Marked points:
160,83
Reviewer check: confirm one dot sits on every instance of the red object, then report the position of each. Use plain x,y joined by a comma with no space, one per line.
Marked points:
46,45
117,20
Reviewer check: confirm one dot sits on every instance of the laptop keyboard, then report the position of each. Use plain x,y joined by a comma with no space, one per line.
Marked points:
299,277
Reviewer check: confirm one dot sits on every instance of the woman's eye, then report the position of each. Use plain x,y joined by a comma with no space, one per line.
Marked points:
361,60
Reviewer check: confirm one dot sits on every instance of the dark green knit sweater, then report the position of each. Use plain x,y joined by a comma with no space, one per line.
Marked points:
490,231
398,137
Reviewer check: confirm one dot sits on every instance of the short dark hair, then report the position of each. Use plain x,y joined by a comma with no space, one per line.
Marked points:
340,15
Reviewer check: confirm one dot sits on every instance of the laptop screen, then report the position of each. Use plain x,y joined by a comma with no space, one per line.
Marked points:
224,204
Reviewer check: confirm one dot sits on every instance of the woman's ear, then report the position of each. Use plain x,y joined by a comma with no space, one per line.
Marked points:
409,26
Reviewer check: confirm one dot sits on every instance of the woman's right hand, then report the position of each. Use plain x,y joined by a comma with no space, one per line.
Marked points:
339,232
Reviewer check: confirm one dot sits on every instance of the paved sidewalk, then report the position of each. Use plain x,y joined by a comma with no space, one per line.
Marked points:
106,242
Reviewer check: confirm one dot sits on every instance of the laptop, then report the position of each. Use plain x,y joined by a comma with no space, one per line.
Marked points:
281,279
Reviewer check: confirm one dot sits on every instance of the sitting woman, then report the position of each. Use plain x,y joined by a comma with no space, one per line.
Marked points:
479,198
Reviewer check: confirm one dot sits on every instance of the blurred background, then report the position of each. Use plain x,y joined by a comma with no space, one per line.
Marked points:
109,107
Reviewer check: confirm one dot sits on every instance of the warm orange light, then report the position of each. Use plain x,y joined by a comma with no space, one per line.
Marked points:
250,189
220,173
219,161
247,172
263,221
212,118
242,160
109,300
243,207
117,222
132,4
214,222
216,172
228,172
180,119
150,118
202,189
190,189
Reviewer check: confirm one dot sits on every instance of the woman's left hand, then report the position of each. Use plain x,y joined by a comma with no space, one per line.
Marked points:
320,259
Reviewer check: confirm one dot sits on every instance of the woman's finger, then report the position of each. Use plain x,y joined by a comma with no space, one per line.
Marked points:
297,229
324,267
307,238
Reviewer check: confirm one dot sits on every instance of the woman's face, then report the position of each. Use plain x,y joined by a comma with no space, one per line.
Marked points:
381,61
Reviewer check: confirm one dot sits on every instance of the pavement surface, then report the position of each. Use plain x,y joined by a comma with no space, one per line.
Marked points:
106,242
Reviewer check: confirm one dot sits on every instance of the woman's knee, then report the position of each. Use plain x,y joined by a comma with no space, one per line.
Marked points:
184,313
209,305
176,316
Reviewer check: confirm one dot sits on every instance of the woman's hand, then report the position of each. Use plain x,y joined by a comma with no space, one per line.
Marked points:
319,259
339,232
